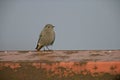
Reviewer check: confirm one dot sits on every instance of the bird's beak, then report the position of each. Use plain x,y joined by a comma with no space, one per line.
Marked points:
53,26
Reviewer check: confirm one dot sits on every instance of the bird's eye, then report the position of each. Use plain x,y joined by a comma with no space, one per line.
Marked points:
48,26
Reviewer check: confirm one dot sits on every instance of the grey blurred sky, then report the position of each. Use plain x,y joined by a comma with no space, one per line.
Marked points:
80,24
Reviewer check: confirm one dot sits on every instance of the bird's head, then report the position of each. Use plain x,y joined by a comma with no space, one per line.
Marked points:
49,26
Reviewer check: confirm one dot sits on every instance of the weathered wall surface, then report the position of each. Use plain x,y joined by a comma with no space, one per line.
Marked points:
60,65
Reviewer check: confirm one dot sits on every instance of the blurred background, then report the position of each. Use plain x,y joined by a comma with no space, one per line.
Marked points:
79,24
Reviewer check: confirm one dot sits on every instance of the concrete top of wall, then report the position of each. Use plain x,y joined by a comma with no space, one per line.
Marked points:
60,55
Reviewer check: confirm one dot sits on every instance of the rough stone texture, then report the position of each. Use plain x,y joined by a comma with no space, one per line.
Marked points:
60,65
61,55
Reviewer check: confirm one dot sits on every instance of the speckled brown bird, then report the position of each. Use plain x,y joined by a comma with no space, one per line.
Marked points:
47,37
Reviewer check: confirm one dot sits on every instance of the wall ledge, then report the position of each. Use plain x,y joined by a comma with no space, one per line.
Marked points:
60,65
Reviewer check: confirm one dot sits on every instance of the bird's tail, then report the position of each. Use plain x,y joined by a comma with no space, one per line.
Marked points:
38,47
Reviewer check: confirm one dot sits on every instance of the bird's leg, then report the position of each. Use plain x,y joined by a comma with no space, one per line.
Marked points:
44,48
47,47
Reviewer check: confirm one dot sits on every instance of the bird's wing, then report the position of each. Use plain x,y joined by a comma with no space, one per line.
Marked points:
38,41
39,38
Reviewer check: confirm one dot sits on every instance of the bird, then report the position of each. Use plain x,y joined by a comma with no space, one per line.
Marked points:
46,37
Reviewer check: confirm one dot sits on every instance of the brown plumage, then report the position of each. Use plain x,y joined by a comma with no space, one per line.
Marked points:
47,37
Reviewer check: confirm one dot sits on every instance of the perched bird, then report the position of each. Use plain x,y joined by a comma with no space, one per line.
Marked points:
47,37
